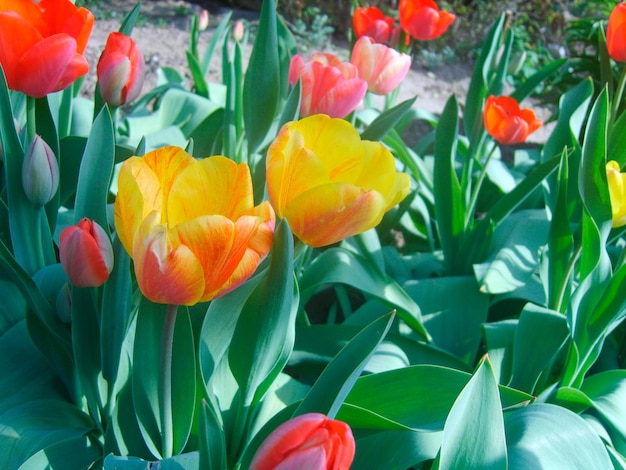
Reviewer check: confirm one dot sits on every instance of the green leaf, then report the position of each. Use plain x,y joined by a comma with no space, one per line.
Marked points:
548,436
212,455
333,385
387,120
338,265
261,90
528,86
197,75
36,425
215,38
96,169
500,339
261,344
71,454
126,28
607,392
395,450
449,205
392,394
453,309
473,436
187,461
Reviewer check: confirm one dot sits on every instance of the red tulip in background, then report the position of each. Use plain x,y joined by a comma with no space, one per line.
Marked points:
506,122
42,45
310,441
372,22
120,70
329,86
616,33
422,19
86,254
382,67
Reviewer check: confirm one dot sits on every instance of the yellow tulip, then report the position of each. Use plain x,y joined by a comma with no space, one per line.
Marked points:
617,191
328,183
190,225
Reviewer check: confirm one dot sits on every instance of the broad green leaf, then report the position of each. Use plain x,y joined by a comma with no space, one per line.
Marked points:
261,90
206,136
539,336
338,265
333,385
13,307
395,450
96,169
126,28
187,461
528,86
607,392
453,309
212,452
517,244
197,75
386,121
71,454
420,396
449,204
473,435
548,436
261,344
30,427
500,340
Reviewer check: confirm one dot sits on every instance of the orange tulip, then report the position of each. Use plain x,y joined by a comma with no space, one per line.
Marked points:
329,86
120,70
617,192
328,183
190,225
372,22
616,33
310,441
42,45
506,122
382,67
423,20
86,254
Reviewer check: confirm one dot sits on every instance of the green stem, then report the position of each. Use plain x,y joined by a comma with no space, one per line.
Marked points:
618,95
476,189
165,381
31,120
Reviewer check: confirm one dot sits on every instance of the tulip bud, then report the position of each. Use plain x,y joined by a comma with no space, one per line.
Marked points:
86,254
40,172
617,193
120,70
238,31
307,441
63,303
203,20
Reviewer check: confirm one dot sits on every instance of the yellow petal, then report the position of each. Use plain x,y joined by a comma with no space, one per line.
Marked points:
167,272
617,193
330,213
214,185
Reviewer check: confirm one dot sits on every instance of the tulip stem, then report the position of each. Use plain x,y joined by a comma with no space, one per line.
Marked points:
617,98
165,381
31,120
476,189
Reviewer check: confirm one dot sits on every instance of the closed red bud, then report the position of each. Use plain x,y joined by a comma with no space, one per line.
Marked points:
120,70
86,254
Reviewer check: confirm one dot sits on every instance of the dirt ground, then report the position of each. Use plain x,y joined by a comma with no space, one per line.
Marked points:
162,34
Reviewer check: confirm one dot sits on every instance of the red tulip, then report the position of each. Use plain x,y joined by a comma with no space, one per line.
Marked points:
372,22
329,86
42,44
506,122
616,33
423,20
382,67
120,70
310,441
86,254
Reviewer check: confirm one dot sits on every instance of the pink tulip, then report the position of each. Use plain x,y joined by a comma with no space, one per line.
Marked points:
120,70
329,86
310,441
382,67
86,254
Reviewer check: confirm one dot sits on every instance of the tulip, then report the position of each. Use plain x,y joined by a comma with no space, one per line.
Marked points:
328,183
40,172
120,70
616,33
309,441
329,86
423,20
617,193
506,122
238,31
190,225
372,22
42,44
86,254
382,67
203,20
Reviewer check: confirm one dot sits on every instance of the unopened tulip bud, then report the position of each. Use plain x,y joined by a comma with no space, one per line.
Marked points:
120,70
86,254
203,20
40,172
63,303
238,31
